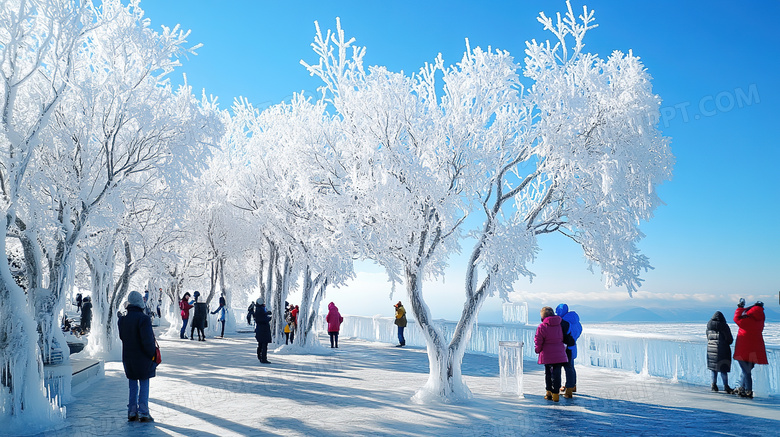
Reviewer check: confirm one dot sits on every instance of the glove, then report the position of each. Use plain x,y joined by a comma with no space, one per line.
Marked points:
741,303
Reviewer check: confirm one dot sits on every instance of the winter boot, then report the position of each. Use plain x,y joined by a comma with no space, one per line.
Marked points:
556,397
548,395
728,390
568,393
749,394
145,418
714,387
131,417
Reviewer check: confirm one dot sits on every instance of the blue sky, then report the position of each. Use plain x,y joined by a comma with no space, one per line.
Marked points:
714,63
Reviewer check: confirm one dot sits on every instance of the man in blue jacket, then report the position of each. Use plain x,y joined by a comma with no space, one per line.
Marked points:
138,352
572,319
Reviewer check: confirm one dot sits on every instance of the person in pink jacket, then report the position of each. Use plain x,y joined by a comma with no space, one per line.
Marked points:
548,343
334,320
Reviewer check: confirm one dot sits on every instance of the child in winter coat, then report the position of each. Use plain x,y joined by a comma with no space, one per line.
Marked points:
719,341
222,310
750,349
548,343
334,320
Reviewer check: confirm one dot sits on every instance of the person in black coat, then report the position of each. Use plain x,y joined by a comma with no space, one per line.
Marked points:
719,340
86,315
199,318
138,352
262,330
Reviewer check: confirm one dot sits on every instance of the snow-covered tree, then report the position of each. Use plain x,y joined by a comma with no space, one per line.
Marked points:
38,42
285,187
578,153
87,113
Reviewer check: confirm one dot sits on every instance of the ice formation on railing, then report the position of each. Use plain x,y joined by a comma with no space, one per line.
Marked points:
515,313
681,360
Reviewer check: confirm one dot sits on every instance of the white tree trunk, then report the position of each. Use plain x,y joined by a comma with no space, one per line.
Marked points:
21,371
445,382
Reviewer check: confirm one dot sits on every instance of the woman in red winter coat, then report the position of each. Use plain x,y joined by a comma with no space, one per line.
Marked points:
334,320
548,343
750,349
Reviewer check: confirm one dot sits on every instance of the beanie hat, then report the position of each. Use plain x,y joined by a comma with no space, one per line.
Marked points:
135,299
260,301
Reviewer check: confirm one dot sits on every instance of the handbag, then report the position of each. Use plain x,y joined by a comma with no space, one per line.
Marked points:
157,355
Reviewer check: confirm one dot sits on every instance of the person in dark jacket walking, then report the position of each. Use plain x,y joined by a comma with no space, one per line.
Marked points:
719,341
86,315
79,302
199,318
138,352
250,313
184,305
262,330
750,349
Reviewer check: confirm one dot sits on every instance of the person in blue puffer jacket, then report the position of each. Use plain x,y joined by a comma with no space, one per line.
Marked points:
572,319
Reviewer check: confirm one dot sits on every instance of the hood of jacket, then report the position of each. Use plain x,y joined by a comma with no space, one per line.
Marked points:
756,312
561,310
332,307
552,320
718,317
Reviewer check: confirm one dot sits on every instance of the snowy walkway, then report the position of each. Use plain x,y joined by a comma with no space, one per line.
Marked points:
218,388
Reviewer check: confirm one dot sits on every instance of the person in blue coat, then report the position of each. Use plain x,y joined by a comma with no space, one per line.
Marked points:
262,330
138,352
572,319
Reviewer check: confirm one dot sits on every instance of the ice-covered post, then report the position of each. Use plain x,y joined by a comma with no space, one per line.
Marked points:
510,363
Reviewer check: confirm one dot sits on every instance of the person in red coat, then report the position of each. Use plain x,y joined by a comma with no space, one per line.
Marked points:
548,343
750,349
334,320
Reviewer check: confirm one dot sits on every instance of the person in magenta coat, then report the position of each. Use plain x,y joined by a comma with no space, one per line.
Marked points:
334,320
184,305
548,343
750,349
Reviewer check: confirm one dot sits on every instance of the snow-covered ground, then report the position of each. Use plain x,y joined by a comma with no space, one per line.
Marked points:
218,388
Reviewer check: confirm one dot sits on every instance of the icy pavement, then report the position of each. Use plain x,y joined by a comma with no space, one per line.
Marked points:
218,388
